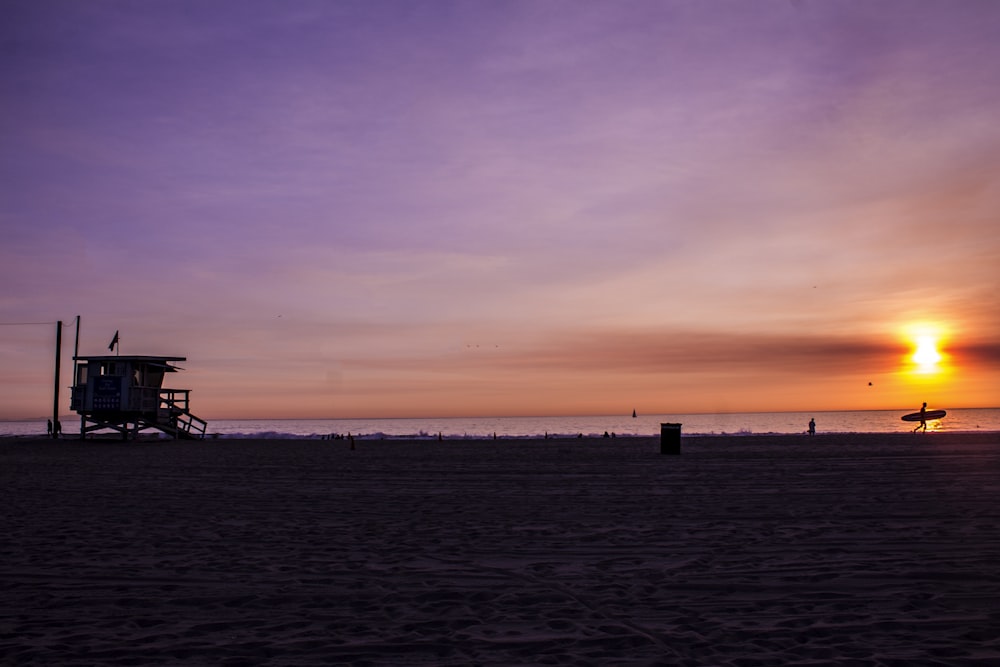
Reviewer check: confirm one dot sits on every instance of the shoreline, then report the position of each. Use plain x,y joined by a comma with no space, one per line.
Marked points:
735,424
694,438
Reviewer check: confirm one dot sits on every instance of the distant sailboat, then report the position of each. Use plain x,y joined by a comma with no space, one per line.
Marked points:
633,414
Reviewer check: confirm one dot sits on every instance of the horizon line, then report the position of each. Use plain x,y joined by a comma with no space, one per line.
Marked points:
546,416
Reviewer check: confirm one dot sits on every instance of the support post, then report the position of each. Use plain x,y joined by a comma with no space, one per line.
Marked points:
55,392
76,350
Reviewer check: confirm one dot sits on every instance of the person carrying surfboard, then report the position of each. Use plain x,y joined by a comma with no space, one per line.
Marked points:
923,418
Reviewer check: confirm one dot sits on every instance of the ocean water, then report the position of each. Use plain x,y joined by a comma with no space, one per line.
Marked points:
868,421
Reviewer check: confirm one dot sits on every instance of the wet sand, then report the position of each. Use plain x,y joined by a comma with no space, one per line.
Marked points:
868,549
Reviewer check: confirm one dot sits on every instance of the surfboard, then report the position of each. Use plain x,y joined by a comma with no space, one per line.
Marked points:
929,415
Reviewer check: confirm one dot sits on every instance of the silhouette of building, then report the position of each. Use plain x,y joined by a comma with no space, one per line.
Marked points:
126,394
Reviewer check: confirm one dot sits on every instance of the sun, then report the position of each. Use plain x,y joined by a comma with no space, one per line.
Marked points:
926,355
926,341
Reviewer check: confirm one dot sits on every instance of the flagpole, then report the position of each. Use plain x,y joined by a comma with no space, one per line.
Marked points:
76,349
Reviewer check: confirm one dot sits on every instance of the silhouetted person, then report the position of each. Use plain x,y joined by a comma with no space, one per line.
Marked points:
58,428
49,428
812,426
923,418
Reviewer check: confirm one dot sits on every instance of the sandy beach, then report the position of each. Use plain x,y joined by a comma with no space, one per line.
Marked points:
756,550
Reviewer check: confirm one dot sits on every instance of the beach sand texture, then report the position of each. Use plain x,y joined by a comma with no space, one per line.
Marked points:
750,550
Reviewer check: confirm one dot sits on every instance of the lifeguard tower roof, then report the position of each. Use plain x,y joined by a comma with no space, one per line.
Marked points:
134,357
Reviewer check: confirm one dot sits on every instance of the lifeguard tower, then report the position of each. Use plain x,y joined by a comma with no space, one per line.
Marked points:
126,394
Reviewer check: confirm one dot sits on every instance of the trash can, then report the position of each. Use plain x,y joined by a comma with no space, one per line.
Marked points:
670,438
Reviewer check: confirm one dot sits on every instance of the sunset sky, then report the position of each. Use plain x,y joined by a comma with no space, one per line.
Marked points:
404,208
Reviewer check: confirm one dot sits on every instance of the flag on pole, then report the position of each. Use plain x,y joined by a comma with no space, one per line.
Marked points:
114,341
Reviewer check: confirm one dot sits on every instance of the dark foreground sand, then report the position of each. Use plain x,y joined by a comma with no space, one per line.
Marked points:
839,549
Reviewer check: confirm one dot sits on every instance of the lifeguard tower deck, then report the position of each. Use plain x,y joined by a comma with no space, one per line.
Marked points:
126,394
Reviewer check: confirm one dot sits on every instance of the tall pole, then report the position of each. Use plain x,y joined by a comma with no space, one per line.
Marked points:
55,393
73,382
76,350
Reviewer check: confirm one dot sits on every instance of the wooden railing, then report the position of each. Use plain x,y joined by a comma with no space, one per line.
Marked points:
165,409
175,403
188,423
177,399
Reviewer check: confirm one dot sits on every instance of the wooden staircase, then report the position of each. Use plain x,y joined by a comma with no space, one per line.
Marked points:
174,418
